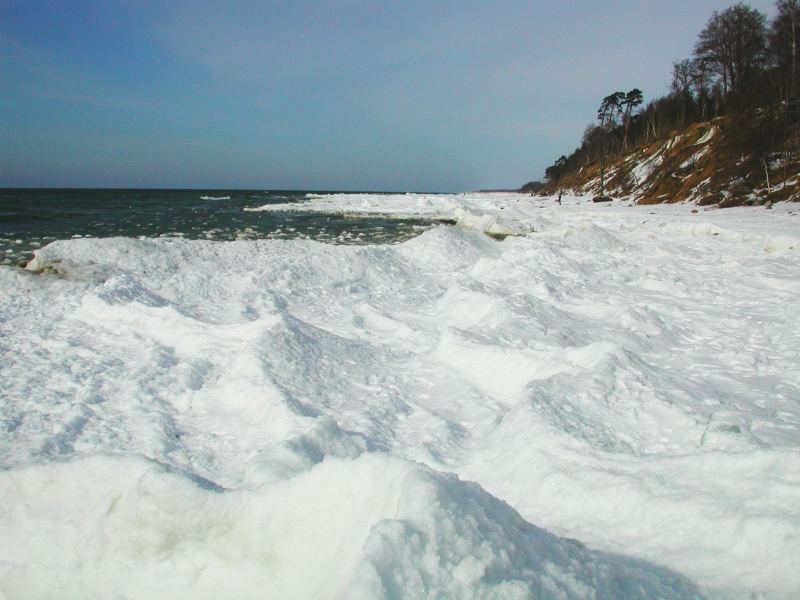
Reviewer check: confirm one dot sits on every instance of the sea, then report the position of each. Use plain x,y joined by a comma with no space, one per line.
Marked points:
32,218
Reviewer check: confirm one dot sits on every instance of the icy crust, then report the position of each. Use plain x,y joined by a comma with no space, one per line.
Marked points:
471,211
310,414
377,527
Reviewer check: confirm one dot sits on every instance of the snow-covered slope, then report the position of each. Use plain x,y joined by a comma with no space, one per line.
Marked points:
604,404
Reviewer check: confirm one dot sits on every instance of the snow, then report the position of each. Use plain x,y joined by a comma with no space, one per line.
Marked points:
603,404
473,212
369,205
691,161
707,136
644,169
373,527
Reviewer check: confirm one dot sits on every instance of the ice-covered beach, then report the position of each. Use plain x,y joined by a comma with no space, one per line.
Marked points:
603,404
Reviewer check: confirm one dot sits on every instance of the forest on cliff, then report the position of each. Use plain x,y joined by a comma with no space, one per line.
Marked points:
741,84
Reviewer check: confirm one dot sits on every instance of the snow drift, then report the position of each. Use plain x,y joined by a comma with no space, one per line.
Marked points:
605,404
375,527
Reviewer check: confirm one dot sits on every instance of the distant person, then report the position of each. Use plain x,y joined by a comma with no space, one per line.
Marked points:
559,197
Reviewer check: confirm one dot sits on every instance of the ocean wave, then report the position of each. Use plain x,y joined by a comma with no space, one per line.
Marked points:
215,197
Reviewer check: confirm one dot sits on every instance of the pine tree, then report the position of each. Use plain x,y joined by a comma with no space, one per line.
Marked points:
631,100
609,107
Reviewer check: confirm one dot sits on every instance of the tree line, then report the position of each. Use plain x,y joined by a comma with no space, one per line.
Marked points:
740,64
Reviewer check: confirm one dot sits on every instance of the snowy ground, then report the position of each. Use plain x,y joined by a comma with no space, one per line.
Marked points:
605,404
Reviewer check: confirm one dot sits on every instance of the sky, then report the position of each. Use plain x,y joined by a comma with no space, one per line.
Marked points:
347,95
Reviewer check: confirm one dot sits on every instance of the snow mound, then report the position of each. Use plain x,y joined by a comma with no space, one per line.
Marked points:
469,212
400,206
490,223
625,376
129,527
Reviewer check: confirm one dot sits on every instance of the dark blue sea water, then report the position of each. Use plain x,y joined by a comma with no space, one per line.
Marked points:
31,218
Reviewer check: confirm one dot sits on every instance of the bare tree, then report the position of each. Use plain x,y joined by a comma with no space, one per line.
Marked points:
732,45
701,80
784,45
681,86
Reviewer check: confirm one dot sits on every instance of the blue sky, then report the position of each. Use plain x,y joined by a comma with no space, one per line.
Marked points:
358,95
